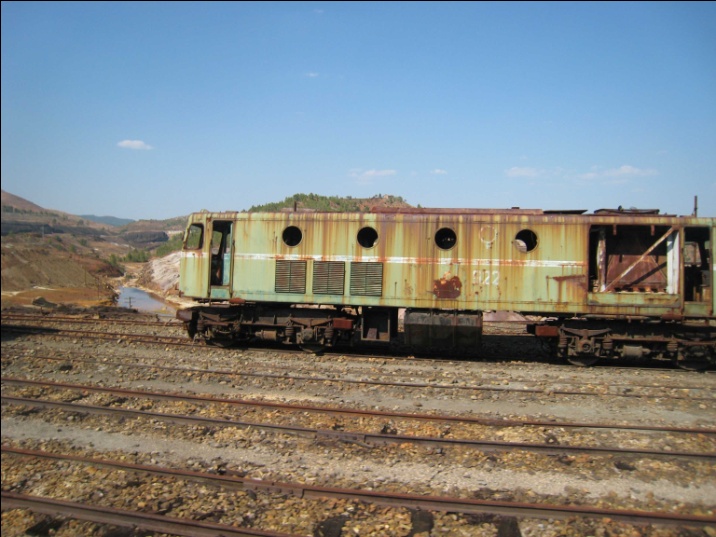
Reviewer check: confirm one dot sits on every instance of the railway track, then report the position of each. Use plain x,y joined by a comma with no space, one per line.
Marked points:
496,384
93,319
308,493
55,325
366,437
98,335
485,432
520,386
128,519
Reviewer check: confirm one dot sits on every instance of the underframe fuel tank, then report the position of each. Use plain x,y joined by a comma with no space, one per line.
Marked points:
433,328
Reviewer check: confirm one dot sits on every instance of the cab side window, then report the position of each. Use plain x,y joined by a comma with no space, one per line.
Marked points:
194,237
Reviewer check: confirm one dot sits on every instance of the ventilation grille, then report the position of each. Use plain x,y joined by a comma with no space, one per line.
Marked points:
367,279
329,277
290,276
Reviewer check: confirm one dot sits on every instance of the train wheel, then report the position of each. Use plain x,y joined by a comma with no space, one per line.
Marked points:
191,329
694,358
583,360
549,347
692,365
313,348
222,341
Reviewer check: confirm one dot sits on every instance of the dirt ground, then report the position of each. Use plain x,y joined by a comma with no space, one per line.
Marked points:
45,297
58,270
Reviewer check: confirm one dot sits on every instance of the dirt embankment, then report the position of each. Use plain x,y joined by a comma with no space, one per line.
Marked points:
31,272
160,277
160,274
41,273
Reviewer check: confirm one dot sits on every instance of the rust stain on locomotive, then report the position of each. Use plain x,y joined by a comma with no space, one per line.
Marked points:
571,288
448,286
574,283
574,279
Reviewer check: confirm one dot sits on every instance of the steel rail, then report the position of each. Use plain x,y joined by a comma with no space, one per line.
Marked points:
129,519
62,332
184,342
434,503
419,385
361,438
306,378
87,320
343,411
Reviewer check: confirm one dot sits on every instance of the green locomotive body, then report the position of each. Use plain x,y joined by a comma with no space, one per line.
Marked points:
316,279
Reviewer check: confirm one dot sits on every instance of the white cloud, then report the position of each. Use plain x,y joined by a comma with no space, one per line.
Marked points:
379,173
134,144
438,171
312,75
627,170
368,176
623,174
619,175
518,171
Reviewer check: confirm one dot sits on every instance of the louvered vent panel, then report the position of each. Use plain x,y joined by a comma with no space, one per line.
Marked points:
290,276
366,279
329,277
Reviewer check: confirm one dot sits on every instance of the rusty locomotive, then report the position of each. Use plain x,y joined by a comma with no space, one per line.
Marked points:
606,285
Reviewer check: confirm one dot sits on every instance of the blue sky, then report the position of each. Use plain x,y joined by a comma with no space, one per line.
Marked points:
155,110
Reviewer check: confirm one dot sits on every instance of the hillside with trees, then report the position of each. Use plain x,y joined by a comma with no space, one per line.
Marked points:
336,204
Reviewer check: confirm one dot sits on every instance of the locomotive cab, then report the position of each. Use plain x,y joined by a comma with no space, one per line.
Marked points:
206,261
643,265
698,269
650,295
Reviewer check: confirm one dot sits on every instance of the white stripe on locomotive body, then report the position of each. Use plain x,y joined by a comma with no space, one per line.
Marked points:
415,260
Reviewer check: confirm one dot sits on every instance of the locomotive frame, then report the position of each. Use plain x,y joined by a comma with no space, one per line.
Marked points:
611,284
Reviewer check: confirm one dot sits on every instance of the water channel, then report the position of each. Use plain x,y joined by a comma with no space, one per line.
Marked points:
131,297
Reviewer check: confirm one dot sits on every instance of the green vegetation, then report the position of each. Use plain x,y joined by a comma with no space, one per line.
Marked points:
178,222
137,256
134,256
115,262
16,210
172,245
328,203
57,243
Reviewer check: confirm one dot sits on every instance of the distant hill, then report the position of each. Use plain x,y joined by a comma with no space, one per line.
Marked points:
316,202
109,220
84,235
20,216
13,203
178,223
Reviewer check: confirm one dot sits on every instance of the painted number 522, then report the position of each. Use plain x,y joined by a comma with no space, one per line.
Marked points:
486,277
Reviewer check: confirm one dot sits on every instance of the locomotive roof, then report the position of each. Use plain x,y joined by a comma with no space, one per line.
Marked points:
515,210
612,215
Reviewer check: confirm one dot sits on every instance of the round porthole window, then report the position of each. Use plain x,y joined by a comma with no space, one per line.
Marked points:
367,237
445,238
292,236
525,240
